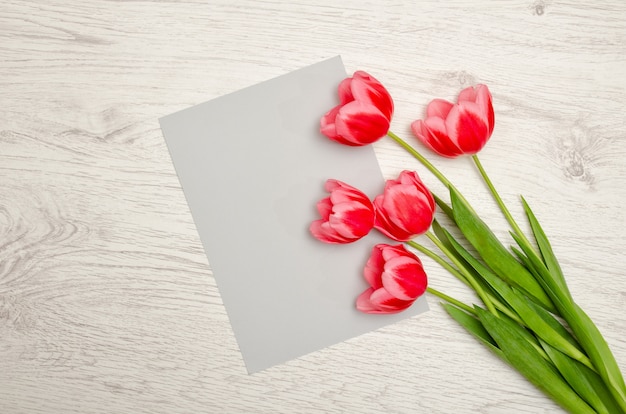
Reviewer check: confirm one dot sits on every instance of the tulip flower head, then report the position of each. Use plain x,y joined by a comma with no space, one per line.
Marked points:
363,115
396,278
347,214
405,209
457,129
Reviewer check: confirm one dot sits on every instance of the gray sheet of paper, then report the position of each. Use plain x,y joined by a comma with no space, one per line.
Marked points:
253,165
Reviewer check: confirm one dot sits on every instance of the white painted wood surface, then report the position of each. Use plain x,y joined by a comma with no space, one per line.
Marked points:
107,301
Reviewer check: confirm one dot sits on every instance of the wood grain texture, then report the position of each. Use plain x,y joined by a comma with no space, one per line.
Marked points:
107,301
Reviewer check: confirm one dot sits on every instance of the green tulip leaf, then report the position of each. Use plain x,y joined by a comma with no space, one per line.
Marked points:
441,234
586,382
537,267
476,268
447,210
473,326
494,254
598,350
529,362
585,331
534,316
545,248
554,324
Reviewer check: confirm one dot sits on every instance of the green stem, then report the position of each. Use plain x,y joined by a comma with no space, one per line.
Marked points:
507,311
451,300
468,276
420,158
496,196
438,259
497,304
428,165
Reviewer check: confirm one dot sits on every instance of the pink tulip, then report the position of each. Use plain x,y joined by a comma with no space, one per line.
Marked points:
347,214
397,278
363,114
405,209
457,129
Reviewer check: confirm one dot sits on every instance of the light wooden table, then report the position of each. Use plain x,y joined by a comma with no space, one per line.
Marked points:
107,301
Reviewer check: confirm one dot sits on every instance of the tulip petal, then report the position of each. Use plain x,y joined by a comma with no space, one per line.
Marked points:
351,222
388,229
384,224
347,194
346,215
480,96
403,203
412,178
471,129
405,209
467,94
452,125
390,252
359,124
384,302
396,277
438,108
436,124
451,130
345,91
323,232
432,133
364,304
484,101
332,184
367,89
404,277
324,207
408,209
374,267
363,115
327,123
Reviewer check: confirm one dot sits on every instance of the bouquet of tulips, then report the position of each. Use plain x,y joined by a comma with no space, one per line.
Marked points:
527,316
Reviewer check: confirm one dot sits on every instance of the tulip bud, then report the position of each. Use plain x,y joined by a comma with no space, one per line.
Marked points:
397,278
347,214
405,209
363,115
457,129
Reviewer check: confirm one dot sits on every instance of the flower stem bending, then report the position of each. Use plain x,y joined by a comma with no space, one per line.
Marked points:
468,276
451,300
420,158
452,270
439,260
